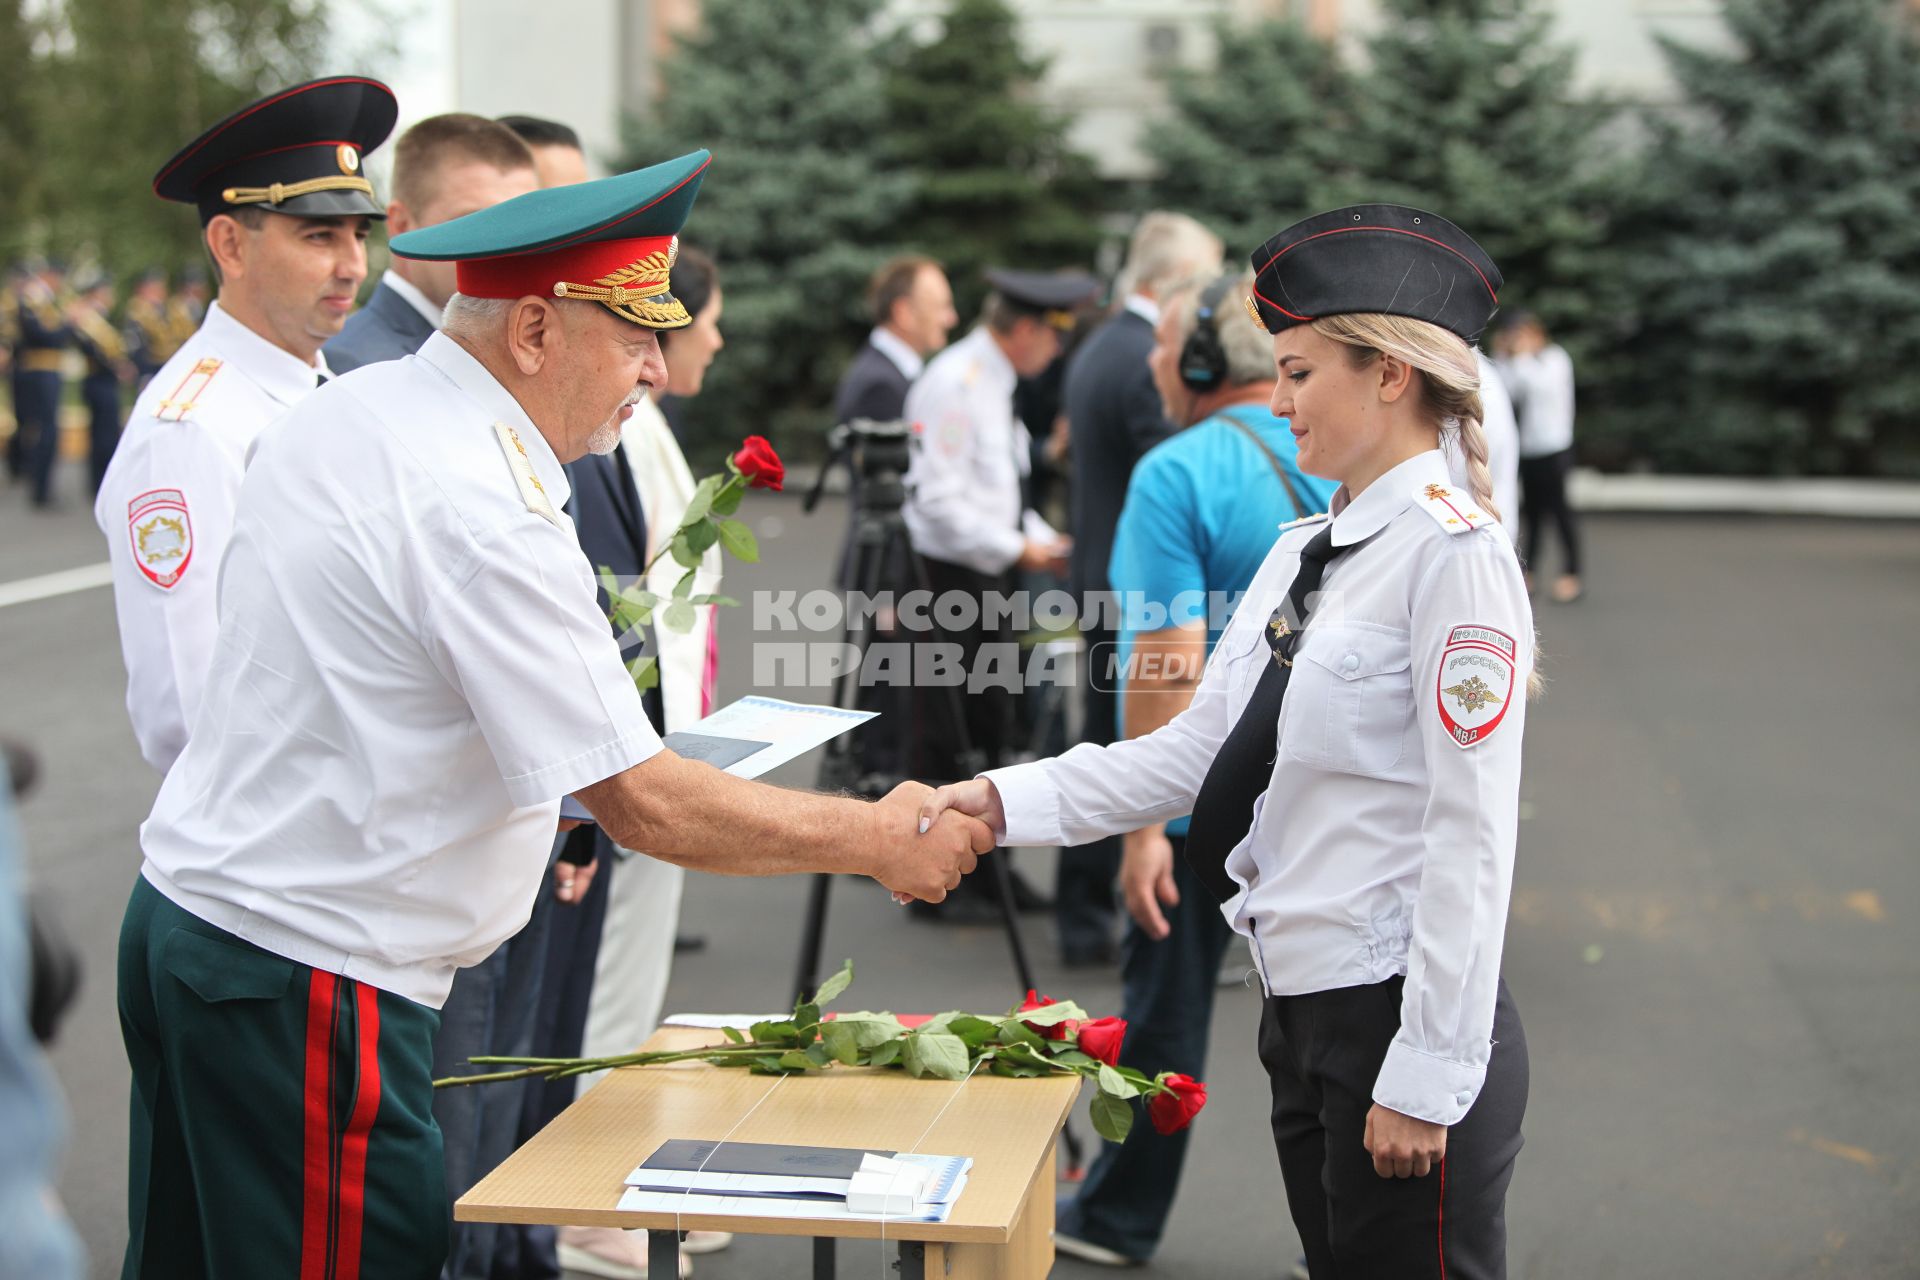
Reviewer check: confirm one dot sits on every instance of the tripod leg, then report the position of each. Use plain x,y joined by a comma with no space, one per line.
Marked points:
1001,877
807,970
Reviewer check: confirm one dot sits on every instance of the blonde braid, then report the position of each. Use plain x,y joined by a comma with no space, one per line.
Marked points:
1473,446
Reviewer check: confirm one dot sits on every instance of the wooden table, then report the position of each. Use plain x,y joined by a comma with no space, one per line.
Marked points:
574,1171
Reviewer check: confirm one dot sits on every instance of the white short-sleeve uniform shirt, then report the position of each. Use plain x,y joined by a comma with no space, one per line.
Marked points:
411,670
166,508
1384,843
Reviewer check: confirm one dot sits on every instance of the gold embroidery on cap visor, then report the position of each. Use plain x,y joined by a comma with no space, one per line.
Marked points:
281,192
636,292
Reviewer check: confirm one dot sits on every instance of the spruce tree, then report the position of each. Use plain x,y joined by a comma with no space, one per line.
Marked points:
1781,287
129,82
994,179
1257,140
1467,109
797,207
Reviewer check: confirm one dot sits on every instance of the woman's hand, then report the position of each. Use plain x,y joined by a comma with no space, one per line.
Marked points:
1401,1146
977,798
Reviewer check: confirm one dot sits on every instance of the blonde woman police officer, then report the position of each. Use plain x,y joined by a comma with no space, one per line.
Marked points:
1352,761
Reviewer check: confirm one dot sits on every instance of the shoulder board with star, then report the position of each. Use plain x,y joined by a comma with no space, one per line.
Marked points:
532,492
1304,521
179,402
1452,509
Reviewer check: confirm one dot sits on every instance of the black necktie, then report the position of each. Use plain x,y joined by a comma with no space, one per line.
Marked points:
1223,811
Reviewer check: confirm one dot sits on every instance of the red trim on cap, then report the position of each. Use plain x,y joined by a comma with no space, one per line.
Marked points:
1277,307
610,221
535,273
261,105
1491,292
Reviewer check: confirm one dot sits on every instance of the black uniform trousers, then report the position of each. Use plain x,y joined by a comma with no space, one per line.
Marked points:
101,392
36,411
1323,1052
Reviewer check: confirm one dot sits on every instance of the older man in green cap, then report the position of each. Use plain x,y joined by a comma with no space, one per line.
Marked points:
411,671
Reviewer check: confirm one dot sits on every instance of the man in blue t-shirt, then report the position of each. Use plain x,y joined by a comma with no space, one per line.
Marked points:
1203,508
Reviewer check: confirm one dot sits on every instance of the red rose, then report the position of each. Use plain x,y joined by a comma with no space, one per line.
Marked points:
1101,1039
760,464
1175,1109
1058,1031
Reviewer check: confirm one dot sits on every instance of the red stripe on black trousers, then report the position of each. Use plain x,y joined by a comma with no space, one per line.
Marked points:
341,1097
317,1129
353,1145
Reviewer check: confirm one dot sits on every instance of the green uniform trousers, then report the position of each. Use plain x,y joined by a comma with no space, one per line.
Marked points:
282,1126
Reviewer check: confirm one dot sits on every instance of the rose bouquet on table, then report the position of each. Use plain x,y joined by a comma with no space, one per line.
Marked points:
1040,1037
707,522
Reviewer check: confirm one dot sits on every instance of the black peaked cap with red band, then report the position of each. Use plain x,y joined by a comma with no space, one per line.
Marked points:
1375,258
296,152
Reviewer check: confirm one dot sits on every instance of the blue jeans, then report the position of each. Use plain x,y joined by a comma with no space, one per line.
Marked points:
1167,1000
490,1010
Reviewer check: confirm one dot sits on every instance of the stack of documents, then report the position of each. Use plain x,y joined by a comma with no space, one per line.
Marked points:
760,1180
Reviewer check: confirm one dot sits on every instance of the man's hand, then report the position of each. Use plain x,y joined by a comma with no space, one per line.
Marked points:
1046,557
1401,1146
1146,878
924,859
571,882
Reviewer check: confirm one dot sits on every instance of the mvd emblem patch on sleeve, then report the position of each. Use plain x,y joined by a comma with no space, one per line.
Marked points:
162,536
1476,682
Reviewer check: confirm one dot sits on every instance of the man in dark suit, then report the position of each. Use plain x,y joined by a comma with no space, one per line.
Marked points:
912,308
443,168
1115,416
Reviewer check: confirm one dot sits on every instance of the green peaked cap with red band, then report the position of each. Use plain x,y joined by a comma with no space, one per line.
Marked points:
612,241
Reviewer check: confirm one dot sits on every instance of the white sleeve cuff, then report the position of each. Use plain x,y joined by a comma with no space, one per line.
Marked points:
548,784
1031,802
1003,548
1427,1088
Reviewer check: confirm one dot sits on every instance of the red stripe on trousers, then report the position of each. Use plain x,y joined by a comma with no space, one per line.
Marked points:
353,1148
1440,1228
316,1149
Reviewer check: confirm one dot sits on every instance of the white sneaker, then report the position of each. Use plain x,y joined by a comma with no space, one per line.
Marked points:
1087,1251
706,1241
609,1252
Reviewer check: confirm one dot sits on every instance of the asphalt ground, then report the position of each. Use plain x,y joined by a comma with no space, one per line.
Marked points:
1713,942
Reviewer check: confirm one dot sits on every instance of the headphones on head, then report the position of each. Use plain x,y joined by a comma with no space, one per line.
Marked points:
1203,360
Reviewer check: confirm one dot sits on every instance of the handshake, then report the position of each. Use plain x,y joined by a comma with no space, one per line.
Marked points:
928,838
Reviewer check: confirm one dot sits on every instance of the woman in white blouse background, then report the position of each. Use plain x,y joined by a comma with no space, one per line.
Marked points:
1367,701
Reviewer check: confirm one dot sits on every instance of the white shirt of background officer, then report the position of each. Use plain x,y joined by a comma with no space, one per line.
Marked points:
963,486
287,284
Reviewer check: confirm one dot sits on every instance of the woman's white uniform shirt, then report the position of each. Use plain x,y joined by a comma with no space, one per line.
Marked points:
1384,843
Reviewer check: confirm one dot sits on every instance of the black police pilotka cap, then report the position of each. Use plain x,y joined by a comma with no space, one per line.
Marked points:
1375,258
296,152
1051,296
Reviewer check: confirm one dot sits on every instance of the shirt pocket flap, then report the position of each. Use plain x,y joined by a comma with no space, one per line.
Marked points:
217,971
1354,651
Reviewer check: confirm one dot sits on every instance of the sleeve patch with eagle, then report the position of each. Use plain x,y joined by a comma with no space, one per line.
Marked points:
1477,679
161,533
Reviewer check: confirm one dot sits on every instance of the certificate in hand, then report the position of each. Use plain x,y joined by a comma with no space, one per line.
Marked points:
751,737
